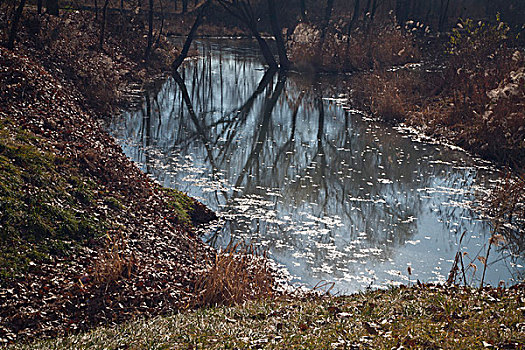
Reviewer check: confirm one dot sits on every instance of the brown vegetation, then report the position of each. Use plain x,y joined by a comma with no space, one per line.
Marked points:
115,243
238,274
477,101
68,46
116,262
370,46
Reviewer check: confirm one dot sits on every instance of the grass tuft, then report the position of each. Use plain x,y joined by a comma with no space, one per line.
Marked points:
114,263
238,274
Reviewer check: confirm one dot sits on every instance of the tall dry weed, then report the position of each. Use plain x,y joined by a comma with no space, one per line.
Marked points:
238,274
115,262
506,205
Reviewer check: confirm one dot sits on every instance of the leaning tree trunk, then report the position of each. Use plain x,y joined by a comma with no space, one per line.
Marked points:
189,39
14,26
277,33
265,49
244,12
103,26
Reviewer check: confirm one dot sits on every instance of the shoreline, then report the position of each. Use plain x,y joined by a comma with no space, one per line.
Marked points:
133,214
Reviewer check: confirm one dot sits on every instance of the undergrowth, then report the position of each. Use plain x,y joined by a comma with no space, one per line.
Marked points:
370,45
477,101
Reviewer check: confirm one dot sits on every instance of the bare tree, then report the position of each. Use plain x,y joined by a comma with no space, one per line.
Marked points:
103,25
327,15
443,15
189,39
277,33
355,15
244,12
150,32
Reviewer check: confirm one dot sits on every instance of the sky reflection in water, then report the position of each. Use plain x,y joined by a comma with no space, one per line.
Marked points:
332,196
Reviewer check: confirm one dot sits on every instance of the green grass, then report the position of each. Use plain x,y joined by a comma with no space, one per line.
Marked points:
44,203
427,318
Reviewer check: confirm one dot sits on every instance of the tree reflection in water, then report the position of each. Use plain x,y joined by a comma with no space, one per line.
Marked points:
332,196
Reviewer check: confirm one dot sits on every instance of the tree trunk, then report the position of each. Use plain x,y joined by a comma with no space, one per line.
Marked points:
367,9
150,32
14,26
443,16
277,33
374,9
327,15
303,10
103,26
265,49
184,6
189,39
244,13
352,21
39,6
52,7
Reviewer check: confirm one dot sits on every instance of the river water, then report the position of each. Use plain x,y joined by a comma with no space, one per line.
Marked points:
333,196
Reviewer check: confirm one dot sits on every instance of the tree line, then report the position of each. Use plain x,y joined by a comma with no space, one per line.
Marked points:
270,16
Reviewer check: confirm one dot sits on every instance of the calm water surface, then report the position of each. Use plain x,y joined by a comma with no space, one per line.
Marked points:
333,197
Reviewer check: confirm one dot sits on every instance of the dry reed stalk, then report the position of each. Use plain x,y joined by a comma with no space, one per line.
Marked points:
239,273
113,263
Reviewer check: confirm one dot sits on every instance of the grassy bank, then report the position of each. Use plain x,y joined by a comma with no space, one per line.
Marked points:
45,203
426,317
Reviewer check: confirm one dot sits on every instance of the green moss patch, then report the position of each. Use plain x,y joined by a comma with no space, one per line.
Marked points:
44,205
186,210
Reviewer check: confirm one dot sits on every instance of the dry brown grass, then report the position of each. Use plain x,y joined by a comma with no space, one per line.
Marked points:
238,274
373,46
115,262
506,205
396,96
477,102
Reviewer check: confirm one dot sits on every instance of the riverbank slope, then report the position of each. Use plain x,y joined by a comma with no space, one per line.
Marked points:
86,237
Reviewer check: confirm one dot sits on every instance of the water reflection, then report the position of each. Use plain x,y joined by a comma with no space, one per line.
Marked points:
332,196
